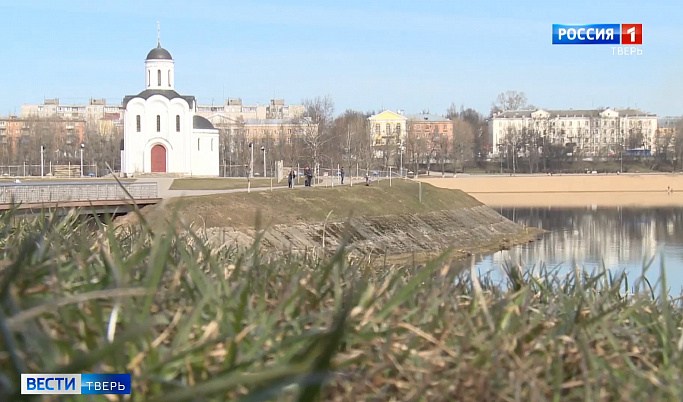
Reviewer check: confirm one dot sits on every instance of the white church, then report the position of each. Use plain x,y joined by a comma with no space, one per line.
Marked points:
162,133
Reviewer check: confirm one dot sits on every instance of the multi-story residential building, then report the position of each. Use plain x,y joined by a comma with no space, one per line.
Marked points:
95,109
234,109
431,127
21,138
261,130
590,132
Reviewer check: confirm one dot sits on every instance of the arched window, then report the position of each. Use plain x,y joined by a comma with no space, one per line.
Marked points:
158,123
377,128
198,139
212,144
149,77
388,128
169,78
137,123
177,123
159,77
398,128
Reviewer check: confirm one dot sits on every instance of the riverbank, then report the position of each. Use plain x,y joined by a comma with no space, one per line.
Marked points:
399,222
646,190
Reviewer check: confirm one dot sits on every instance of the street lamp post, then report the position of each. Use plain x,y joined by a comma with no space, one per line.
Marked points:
251,162
82,146
265,173
42,161
401,153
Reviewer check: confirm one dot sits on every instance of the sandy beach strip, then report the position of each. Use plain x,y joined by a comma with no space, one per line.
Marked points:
635,190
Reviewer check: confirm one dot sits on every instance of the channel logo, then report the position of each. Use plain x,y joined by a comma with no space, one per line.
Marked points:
75,384
598,34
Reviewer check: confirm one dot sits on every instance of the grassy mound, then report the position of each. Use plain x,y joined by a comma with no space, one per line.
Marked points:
311,204
192,323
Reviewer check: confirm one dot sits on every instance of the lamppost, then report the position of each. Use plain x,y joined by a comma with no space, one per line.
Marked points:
401,153
265,173
42,161
82,146
251,162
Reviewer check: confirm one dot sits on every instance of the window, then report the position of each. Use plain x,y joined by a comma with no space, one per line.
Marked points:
159,77
169,78
149,77
177,123
158,123
388,128
198,139
212,144
398,128
137,123
377,128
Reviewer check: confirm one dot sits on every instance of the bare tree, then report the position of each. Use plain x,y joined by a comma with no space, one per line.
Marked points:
315,124
510,100
463,141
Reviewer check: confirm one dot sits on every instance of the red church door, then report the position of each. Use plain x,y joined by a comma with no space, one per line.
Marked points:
158,159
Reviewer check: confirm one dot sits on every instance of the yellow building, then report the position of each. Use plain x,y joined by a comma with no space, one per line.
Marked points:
387,128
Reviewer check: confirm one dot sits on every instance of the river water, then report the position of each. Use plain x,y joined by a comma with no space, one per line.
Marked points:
620,238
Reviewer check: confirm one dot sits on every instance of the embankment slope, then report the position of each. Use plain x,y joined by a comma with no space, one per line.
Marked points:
378,219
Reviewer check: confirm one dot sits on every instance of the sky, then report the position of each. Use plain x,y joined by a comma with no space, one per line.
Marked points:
366,55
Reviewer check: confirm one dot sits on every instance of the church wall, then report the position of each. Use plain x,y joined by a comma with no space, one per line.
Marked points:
138,145
205,157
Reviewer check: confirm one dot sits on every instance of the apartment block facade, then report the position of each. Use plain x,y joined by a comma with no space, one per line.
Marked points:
588,132
235,109
21,138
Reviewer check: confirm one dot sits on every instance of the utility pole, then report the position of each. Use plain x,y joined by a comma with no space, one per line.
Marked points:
265,174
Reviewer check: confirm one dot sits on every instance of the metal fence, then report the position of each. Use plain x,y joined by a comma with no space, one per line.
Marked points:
63,192
66,170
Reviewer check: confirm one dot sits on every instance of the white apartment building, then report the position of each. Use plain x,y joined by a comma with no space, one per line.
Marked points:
95,109
591,132
234,109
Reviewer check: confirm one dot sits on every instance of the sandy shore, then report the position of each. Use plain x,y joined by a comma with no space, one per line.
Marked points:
647,190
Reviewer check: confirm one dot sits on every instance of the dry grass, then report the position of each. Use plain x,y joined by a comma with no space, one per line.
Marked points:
302,204
217,325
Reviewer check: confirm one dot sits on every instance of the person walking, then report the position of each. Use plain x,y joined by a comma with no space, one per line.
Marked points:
309,176
290,178
341,174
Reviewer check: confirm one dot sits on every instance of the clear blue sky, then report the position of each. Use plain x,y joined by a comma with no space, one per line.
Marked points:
409,55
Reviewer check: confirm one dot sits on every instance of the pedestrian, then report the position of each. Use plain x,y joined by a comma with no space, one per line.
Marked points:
341,173
290,178
309,176
367,179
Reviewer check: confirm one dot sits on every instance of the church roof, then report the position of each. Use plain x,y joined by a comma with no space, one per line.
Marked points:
168,93
159,53
201,123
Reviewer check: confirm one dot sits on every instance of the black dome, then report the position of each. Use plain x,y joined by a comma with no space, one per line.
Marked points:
201,123
159,53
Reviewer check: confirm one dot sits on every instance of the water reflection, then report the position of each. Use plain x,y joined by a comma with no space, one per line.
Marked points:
620,238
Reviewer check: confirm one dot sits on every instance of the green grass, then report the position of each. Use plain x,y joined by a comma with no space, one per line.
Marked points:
310,204
223,183
193,323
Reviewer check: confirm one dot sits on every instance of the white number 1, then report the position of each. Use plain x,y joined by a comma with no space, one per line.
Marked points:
632,31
